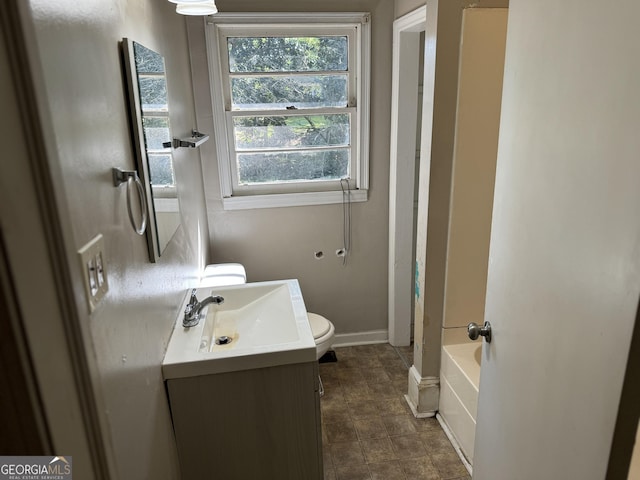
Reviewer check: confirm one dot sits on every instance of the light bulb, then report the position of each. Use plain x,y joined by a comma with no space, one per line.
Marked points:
196,8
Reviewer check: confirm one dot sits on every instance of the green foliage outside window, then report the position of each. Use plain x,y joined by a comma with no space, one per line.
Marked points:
292,166
297,74
287,54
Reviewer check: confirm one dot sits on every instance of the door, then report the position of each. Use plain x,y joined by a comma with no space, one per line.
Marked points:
564,266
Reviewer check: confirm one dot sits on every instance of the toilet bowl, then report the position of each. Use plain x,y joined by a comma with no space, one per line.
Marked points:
323,333
222,274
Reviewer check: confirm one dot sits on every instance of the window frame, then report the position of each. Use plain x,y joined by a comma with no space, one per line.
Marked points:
161,111
220,26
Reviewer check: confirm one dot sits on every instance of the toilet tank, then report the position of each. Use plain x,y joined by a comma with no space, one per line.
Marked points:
222,274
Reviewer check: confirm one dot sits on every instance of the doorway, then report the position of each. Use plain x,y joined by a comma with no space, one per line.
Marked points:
406,114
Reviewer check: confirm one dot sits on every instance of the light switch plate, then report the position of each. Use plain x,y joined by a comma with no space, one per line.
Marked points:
94,273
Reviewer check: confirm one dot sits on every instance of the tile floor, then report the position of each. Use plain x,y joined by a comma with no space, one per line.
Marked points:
368,430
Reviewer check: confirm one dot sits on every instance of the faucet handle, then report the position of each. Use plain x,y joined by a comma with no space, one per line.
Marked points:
193,300
191,317
192,303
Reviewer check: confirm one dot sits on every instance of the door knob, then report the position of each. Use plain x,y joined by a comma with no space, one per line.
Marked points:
475,331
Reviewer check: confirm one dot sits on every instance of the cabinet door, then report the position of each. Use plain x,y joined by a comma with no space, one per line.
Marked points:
258,424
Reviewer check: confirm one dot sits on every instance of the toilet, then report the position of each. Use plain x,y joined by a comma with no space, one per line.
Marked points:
323,333
223,274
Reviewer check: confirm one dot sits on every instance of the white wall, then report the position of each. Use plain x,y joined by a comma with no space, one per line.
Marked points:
125,337
280,242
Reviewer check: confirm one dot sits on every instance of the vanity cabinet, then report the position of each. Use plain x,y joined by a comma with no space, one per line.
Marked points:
251,424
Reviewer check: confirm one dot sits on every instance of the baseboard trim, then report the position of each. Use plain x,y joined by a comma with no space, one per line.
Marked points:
415,412
456,446
423,394
361,338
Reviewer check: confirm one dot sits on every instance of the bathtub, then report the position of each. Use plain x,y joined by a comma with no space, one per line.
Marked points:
459,381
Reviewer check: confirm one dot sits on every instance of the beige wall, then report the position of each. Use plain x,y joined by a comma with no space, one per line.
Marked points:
634,468
127,334
444,21
443,34
280,242
475,152
402,7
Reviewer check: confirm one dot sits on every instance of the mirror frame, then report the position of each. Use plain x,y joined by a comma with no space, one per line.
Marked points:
139,144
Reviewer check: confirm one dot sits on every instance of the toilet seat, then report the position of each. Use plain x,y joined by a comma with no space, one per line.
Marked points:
323,333
320,326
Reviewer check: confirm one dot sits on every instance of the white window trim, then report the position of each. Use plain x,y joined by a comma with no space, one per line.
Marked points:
359,192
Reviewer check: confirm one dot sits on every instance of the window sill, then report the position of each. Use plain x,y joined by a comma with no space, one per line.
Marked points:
166,205
290,200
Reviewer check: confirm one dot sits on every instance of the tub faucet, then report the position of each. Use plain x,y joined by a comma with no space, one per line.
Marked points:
193,310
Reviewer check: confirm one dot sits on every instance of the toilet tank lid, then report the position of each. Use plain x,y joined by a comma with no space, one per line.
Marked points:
221,281
225,269
319,325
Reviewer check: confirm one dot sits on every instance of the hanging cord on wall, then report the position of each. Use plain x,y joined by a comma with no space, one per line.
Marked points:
346,218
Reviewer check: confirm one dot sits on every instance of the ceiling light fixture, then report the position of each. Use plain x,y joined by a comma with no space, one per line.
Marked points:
195,7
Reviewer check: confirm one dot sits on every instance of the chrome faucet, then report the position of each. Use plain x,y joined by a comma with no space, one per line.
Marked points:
193,310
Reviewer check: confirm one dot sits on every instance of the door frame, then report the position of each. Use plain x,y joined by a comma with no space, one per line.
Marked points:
404,103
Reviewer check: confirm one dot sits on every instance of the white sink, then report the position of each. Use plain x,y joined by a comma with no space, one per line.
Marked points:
266,324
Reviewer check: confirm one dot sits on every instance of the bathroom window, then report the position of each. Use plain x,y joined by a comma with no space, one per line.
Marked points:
290,102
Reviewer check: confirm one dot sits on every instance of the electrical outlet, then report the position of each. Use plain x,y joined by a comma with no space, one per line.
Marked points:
93,265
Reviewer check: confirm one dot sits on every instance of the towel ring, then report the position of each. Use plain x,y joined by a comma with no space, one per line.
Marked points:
131,177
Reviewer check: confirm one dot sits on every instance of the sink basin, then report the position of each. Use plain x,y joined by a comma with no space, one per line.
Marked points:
259,325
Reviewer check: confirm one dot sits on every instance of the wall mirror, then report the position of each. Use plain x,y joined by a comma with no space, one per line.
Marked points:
149,108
